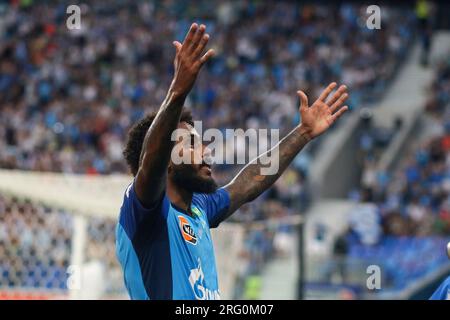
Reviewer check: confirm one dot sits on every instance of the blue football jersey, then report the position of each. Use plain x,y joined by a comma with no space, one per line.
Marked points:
165,253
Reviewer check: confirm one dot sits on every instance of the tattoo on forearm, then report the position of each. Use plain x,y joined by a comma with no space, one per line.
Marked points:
250,183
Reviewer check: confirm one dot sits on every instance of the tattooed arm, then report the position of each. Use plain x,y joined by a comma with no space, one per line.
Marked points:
157,145
250,182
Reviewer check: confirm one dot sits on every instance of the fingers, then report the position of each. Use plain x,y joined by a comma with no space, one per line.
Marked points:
342,89
339,102
303,99
196,39
195,43
339,113
210,53
201,46
323,96
177,46
190,36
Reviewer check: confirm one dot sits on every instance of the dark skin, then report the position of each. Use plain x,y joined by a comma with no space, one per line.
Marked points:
151,178
155,170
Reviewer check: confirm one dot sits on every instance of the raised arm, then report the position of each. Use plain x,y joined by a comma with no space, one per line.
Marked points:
156,149
315,120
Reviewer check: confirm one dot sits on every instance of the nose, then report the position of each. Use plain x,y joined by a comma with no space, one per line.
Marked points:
207,155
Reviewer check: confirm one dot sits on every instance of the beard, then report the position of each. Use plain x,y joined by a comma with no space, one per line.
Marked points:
186,177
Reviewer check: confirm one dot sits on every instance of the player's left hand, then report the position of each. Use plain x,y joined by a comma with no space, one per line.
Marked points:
317,118
189,59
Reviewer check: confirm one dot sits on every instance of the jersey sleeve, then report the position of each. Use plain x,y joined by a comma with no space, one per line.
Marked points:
216,206
133,211
443,292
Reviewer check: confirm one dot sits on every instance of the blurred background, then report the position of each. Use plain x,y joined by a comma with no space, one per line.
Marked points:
373,191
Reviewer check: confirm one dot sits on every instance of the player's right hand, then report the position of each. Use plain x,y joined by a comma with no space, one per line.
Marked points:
189,59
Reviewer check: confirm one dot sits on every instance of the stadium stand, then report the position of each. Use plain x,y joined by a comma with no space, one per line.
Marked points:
409,205
67,101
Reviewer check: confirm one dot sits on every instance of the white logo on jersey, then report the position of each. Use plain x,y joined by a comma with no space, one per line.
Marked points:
196,279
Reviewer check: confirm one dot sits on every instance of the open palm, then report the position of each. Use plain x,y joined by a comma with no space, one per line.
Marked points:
317,118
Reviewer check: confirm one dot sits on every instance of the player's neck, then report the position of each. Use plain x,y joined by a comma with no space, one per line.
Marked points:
179,197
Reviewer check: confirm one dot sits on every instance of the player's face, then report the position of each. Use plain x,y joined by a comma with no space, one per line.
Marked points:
195,174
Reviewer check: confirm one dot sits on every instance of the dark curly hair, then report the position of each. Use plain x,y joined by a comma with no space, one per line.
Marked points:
136,135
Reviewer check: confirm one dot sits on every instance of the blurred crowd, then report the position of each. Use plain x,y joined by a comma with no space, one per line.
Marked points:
414,199
404,213
68,98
